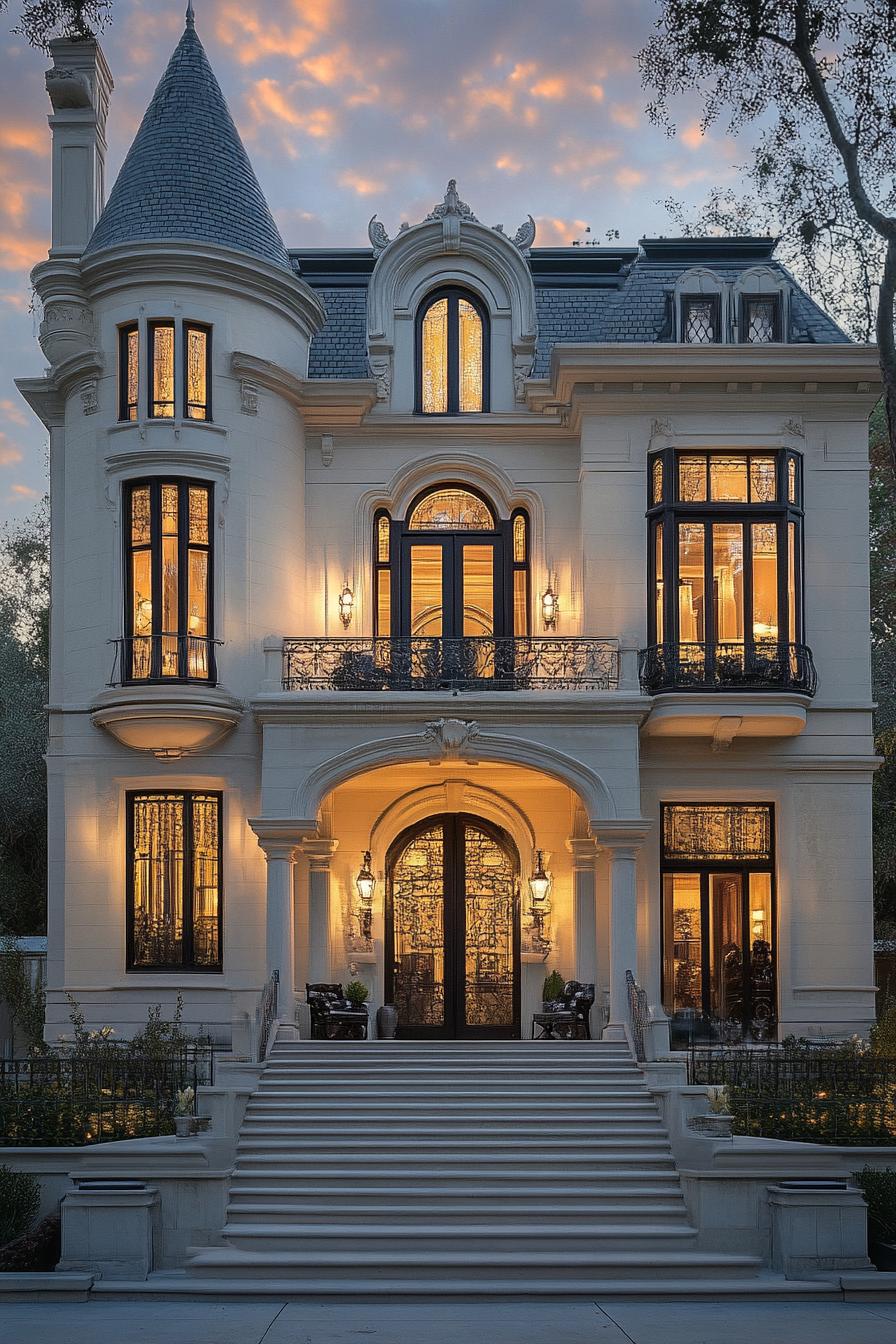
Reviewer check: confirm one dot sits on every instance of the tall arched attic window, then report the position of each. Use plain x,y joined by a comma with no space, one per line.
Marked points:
452,354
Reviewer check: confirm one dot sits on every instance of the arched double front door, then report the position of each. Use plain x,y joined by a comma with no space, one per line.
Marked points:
453,929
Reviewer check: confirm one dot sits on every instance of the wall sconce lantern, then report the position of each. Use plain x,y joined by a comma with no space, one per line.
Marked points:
550,606
346,605
539,890
365,883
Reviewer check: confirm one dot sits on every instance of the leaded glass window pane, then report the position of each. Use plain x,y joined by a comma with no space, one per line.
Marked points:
130,372
382,540
434,358
791,480
728,479
691,479
163,370
764,538
469,356
175,880
140,516
700,322
519,539
763,486
717,831
196,339
728,581
451,510
656,477
761,320
206,880
418,914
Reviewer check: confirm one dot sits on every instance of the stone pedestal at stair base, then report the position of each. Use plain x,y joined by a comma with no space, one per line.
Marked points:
110,1232
816,1232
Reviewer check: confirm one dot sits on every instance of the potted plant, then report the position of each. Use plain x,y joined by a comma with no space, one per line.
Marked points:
717,1124
879,1189
357,993
551,989
183,1112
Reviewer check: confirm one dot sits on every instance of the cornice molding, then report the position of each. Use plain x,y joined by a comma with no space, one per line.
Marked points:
325,403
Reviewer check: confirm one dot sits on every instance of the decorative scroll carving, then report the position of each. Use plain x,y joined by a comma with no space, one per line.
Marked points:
795,427
248,398
379,238
523,360
381,368
452,205
67,88
525,236
451,736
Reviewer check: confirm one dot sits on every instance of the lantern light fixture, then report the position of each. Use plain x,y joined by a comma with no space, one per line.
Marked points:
539,882
346,605
550,607
365,883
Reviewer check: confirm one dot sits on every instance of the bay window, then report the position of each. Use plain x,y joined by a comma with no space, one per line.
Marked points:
168,581
174,906
166,387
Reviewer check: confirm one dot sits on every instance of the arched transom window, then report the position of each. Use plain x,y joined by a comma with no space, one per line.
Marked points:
452,354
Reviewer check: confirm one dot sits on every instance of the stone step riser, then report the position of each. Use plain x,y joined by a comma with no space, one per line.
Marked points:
484,1276
323,1173
544,1193
465,1129
459,1242
671,1215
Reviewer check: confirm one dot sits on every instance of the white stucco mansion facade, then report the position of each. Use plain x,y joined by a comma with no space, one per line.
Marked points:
459,561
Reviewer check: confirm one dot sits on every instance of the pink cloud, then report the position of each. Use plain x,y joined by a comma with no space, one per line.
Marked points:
628,178
553,232
13,412
18,135
363,186
18,251
24,491
692,135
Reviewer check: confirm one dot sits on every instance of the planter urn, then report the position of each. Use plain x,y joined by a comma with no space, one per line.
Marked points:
386,1022
183,1126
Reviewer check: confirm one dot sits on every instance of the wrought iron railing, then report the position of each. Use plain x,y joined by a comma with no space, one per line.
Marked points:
163,658
638,1016
425,664
77,1098
728,666
267,1014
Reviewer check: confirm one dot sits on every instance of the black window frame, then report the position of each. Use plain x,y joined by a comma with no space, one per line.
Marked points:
154,485
704,867
453,293
151,328
124,406
743,317
187,963
187,325
515,566
670,511
386,566
715,302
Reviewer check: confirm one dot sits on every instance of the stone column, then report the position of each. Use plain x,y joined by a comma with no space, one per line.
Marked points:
583,850
320,854
621,841
280,841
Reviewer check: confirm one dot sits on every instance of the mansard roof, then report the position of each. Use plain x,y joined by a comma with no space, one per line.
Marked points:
582,295
187,176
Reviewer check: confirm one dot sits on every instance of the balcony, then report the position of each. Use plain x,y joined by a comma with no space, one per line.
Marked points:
163,696
730,690
455,664
727,667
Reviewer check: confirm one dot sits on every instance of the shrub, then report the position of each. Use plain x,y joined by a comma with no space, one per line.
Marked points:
36,1251
879,1189
19,1202
882,1036
356,992
553,986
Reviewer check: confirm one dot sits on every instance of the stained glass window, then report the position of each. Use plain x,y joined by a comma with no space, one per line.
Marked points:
703,832
196,398
382,539
129,373
162,370
451,510
656,481
382,550
763,484
791,480
168,527
174,880
691,479
452,335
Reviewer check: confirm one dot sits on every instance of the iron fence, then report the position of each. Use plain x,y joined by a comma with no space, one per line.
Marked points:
469,663
95,1096
164,658
763,666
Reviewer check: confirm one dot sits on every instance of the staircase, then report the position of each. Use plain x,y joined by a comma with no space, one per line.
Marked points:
456,1168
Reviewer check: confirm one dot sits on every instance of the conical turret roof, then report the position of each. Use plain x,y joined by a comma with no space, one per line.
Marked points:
187,176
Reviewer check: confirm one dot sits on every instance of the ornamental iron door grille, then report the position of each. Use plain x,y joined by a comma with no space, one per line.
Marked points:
452,929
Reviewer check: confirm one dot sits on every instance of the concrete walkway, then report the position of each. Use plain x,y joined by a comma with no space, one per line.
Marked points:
146,1321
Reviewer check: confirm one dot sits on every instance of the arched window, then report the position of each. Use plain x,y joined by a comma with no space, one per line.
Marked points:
452,354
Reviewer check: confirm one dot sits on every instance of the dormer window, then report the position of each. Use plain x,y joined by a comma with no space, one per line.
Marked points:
760,319
701,319
452,354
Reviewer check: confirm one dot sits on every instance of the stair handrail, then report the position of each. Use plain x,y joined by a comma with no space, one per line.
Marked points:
638,1015
267,1014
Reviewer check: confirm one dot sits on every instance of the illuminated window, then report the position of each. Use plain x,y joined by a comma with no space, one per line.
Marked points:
452,354
128,373
724,557
760,319
161,370
451,510
174,881
382,574
718,921
168,564
197,355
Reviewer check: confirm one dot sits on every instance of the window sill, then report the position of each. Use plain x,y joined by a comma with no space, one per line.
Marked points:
176,423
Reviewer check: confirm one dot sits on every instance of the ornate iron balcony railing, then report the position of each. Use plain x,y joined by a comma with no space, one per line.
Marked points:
469,664
163,658
765,666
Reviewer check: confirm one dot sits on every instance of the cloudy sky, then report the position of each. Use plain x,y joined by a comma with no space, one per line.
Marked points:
350,107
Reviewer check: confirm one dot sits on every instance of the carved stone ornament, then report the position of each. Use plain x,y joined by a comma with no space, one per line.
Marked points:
451,736
65,330
451,205
89,400
381,369
522,367
68,88
794,427
379,238
248,398
660,429
525,236
326,449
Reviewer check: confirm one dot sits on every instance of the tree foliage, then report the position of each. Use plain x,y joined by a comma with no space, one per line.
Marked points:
41,22
817,78
24,662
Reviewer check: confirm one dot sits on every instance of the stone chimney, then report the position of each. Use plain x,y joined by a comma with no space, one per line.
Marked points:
79,85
